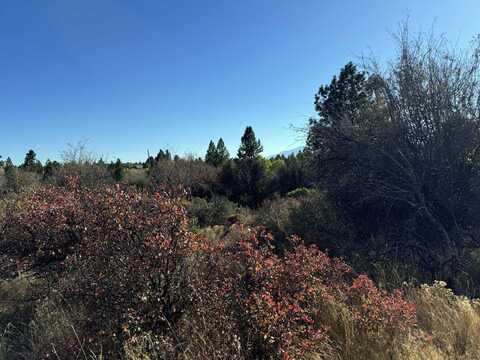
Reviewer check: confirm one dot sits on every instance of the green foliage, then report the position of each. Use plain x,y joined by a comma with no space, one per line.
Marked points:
149,163
138,177
398,156
222,152
312,218
118,171
250,147
344,99
245,181
11,175
31,163
273,166
217,155
296,173
211,155
216,211
163,156
50,169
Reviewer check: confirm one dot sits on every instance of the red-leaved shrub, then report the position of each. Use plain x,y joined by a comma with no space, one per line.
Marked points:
118,253
126,257
277,302
43,226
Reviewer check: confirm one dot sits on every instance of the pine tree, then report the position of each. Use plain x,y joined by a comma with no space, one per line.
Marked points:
149,163
11,175
250,148
50,168
30,159
117,170
222,152
211,157
343,99
163,155
31,163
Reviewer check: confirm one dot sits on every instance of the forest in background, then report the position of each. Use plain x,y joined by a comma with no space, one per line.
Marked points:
365,245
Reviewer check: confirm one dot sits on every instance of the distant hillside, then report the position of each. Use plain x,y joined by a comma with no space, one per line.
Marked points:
287,153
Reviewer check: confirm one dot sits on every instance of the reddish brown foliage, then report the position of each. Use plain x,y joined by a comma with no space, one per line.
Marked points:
127,257
278,300
43,226
119,253
376,309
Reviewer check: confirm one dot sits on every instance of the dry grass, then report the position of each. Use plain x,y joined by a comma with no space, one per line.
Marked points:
28,326
450,323
448,328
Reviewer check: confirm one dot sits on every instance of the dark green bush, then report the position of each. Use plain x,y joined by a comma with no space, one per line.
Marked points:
214,212
309,217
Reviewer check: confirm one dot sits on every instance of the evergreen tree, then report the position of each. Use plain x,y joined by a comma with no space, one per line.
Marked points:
244,181
222,152
163,155
30,159
217,155
149,163
50,168
31,163
11,175
117,170
211,157
345,98
250,147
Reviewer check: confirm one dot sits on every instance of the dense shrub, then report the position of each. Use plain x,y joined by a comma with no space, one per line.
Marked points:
211,212
295,173
278,302
245,181
136,177
87,173
131,274
125,259
396,152
310,217
275,215
118,253
42,225
194,175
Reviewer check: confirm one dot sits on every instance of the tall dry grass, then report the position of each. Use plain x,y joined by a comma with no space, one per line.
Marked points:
29,324
448,328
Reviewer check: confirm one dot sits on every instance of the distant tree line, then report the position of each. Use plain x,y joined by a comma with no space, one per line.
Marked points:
248,179
390,173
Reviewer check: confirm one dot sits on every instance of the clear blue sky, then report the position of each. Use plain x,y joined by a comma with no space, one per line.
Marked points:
128,76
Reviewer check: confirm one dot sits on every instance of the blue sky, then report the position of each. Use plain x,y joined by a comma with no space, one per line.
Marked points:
127,76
